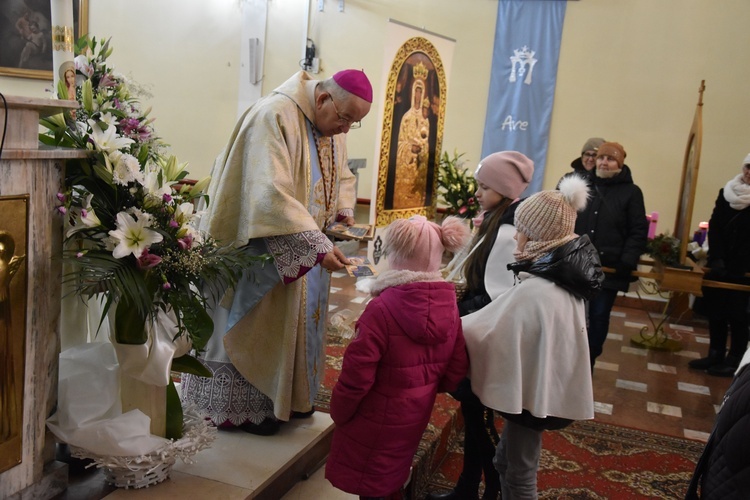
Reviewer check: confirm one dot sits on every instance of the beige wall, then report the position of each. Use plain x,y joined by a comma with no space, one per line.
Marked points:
629,71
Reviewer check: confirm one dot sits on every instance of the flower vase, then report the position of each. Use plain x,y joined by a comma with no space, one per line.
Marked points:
148,398
145,369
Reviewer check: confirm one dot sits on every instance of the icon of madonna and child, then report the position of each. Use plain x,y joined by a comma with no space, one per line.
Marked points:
412,153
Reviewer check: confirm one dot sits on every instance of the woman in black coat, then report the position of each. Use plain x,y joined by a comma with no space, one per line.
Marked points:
723,471
615,221
728,260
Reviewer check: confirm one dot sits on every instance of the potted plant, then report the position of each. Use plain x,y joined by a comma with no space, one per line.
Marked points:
132,242
456,186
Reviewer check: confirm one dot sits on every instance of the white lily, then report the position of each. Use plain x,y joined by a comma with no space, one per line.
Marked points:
108,140
140,215
109,119
133,237
191,231
183,213
151,184
83,64
86,218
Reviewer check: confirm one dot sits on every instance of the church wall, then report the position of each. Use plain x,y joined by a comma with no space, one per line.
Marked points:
629,71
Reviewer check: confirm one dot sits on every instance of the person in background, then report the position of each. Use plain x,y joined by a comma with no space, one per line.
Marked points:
280,181
722,471
408,347
585,165
528,348
501,178
615,221
728,261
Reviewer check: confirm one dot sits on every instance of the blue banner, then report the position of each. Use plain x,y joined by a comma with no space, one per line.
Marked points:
522,81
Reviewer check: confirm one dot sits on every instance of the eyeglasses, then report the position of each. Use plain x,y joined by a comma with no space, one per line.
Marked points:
589,155
351,123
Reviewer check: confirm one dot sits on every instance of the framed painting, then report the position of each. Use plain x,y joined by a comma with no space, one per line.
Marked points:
689,181
26,36
411,138
13,293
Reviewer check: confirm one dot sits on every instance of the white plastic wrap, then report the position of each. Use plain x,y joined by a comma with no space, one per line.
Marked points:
89,413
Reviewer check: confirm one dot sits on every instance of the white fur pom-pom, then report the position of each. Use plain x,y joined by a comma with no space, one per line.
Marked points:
455,233
575,190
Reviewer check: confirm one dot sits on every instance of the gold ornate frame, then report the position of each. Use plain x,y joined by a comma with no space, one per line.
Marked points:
414,45
13,294
81,22
689,181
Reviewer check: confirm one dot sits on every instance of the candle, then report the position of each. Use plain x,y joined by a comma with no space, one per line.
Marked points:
63,68
653,219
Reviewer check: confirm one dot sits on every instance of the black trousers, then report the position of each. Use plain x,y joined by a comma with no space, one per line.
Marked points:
727,311
480,440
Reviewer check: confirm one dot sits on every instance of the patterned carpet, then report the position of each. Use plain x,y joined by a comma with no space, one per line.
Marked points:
592,460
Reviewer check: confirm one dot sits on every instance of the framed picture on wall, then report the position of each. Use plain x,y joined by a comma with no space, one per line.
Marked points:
26,36
412,133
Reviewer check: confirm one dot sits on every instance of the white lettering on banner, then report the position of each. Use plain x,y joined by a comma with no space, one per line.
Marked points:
513,125
522,58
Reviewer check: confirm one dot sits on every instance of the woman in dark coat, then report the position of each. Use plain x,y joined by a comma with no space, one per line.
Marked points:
723,471
728,260
615,221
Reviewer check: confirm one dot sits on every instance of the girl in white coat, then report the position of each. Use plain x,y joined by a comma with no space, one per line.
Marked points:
528,350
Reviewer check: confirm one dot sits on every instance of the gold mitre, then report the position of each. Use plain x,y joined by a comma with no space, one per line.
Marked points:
420,71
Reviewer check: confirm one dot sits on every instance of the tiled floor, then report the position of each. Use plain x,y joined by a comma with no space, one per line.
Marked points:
634,387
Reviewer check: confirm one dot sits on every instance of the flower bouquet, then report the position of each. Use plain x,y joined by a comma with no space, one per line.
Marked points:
664,249
131,238
456,186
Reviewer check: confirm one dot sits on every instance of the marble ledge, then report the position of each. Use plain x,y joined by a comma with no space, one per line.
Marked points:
43,153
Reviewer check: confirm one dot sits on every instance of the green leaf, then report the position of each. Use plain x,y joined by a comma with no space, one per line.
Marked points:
174,414
199,323
191,365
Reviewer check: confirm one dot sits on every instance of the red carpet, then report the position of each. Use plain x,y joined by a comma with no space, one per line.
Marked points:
591,460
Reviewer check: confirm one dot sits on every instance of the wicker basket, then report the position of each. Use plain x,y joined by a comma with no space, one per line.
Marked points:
147,470
139,475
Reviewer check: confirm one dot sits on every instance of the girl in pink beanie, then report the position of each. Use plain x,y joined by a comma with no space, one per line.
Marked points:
408,347
482,270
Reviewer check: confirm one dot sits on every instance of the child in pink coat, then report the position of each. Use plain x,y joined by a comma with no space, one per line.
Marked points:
408,347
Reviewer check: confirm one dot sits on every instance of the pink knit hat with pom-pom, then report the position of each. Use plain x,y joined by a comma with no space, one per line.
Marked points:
416,244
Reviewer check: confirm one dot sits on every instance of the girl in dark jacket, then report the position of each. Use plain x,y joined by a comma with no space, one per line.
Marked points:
729,260
501,178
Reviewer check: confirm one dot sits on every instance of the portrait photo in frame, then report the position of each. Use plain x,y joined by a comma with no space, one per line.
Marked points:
412,133
26,36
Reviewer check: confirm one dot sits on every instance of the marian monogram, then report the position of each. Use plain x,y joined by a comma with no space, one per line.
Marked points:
520,60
